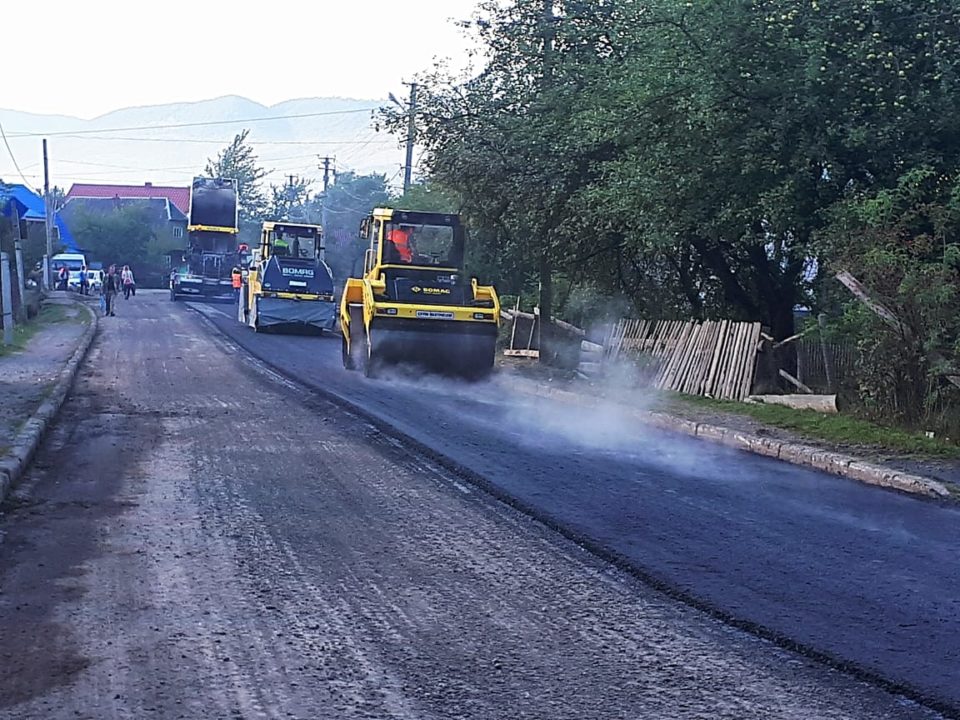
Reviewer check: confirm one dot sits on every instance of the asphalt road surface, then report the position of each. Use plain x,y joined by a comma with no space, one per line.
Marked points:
864,576
199,539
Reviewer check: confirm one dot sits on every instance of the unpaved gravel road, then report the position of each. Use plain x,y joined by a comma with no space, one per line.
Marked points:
197,540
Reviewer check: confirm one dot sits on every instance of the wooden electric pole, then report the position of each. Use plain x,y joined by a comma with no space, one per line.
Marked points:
327,164
411,134
326,172
48,220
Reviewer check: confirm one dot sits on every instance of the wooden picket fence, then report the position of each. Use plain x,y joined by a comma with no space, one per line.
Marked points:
811,368
715,359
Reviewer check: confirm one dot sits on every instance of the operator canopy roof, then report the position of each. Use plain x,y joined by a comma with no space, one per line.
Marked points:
284,228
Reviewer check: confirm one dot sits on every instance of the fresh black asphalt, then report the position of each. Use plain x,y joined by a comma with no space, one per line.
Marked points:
862,575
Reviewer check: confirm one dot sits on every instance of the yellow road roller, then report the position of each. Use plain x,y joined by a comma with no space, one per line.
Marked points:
413,304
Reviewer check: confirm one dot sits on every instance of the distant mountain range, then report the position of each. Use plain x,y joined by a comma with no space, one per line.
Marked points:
137,145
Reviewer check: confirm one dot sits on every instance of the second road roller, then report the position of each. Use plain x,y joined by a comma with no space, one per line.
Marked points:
414,303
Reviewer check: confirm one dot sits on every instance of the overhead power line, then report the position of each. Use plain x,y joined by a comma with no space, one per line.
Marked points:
357,149
194,124
14,159
221,141
108,165
353,153
176,167
395,176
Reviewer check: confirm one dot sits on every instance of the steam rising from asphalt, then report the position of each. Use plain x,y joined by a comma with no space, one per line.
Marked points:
607,419
602,417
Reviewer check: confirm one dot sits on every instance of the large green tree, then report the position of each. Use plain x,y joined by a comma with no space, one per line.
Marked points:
123,236
238,160
687,153
289,201
768,113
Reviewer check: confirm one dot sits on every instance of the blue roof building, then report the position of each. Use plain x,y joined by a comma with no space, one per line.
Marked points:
31,209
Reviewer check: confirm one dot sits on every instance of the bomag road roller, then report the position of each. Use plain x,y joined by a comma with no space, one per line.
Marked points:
414,304
288,285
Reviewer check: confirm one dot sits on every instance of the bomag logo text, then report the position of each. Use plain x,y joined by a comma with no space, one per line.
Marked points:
431,291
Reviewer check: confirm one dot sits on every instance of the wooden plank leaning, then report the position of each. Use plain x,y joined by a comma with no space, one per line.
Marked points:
670,356
710,386
689,357
751,365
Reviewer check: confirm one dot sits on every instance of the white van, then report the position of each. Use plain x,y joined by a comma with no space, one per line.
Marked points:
73,262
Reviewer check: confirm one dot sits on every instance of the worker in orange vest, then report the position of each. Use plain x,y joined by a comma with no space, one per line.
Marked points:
400,238
236,277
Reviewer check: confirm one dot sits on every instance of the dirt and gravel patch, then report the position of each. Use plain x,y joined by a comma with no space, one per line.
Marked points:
28,374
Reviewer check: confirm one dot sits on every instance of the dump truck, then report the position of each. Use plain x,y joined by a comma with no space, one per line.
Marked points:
205,265
288,285
413,303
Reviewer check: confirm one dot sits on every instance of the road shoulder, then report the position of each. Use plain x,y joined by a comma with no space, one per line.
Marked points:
36,380
916,477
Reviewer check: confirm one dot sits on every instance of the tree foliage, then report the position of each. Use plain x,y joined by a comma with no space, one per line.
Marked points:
699,159
123,236
349,200
239,161
289,202
904,244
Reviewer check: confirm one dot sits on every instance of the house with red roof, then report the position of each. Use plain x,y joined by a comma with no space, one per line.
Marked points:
164,208
179,197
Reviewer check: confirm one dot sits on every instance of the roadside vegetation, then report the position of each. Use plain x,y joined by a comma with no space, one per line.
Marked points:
24,332
834,429
669,159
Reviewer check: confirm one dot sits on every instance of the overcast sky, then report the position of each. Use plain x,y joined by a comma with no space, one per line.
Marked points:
88,58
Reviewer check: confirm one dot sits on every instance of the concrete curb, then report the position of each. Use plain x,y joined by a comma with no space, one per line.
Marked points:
28,439
795,453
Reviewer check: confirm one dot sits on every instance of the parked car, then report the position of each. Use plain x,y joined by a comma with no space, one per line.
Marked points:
94,281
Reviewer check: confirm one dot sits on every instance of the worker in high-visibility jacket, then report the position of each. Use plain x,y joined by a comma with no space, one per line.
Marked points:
400,239
236,278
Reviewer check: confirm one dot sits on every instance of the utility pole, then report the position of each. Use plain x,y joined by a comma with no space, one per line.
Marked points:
290,197
546,265
411,132
48,219
7,298
18,258
326,173
327,161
